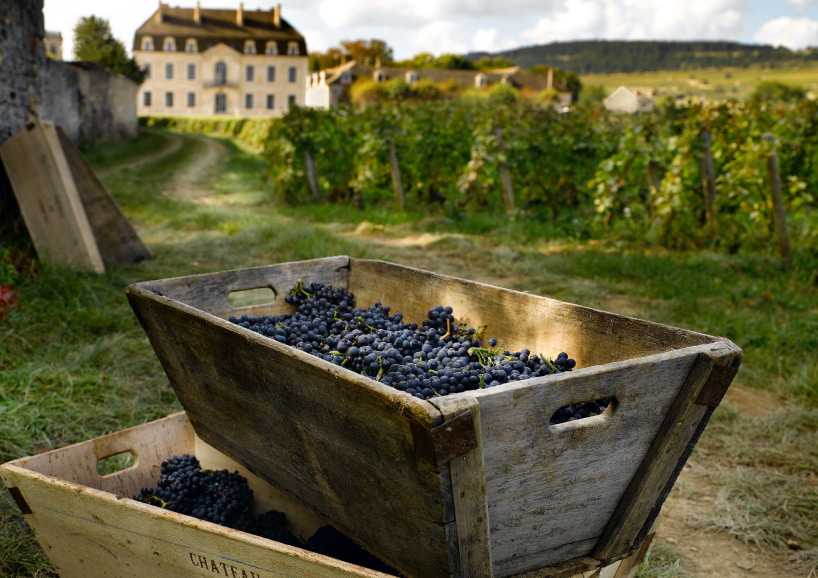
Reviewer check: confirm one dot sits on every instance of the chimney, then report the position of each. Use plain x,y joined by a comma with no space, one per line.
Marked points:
159,15
240,15
378,61
197,15
277,15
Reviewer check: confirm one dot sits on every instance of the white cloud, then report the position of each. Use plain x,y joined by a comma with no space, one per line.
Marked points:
575,19
361,13
802,5
316,41
794,33
641,19
441,37
492,40
485,40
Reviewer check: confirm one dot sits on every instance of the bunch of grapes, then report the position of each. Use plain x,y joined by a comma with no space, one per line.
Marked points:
437,358
216,496
225,498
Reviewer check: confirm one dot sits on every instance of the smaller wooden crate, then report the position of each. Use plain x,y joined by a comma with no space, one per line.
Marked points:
88,525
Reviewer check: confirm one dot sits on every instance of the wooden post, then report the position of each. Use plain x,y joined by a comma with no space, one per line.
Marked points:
396,181
709,183
779,213
312,177
505,176
655,184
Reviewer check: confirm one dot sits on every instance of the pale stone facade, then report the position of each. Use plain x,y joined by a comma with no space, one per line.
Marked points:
626,100
232,62
53,45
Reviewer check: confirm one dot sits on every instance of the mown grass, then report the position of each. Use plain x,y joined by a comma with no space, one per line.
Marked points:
75,363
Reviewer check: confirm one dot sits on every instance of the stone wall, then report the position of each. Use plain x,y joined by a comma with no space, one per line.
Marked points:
22,58
88,102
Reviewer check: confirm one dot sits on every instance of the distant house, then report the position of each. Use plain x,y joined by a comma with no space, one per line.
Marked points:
627,100
326,87
219,61
53,44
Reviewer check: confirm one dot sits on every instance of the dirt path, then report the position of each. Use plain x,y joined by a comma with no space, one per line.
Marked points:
172,145
706,553
190,182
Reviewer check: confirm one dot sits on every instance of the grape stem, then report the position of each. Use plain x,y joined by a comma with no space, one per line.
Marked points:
448,329
549,363
299,288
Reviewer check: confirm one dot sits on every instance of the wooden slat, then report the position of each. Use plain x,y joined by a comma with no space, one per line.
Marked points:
542,479
469,493
48,199
340,442
518,320
209,292
78,463
681,421
116,239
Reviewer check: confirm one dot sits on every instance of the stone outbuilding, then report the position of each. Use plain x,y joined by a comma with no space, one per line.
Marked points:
326,87
624,99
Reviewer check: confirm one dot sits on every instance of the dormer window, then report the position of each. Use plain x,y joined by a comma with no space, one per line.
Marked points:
480,80
191,46
249,47
378,76
411,77
170,44
272,48
147,43
346,77
292,48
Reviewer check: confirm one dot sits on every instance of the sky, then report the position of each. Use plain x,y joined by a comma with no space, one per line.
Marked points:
460,26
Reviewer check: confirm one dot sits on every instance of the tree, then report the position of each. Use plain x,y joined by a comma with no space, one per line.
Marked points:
94,42
367,52
330,59
493,63
593,94
770,91
453,62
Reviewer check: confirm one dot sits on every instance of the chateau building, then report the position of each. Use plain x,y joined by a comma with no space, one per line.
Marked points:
213,61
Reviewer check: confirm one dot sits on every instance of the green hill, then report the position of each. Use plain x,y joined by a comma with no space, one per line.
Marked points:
613,56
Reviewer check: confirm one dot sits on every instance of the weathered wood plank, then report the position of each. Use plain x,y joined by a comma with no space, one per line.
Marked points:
681,421
339,441
542,479
519,320
48,199
116,239
469,494
86,531
209,292
78,463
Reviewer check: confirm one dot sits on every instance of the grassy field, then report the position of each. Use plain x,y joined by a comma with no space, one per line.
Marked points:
75,364
712,83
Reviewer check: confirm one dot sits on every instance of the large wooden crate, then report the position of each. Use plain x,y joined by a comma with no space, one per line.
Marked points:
88,526
473,485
